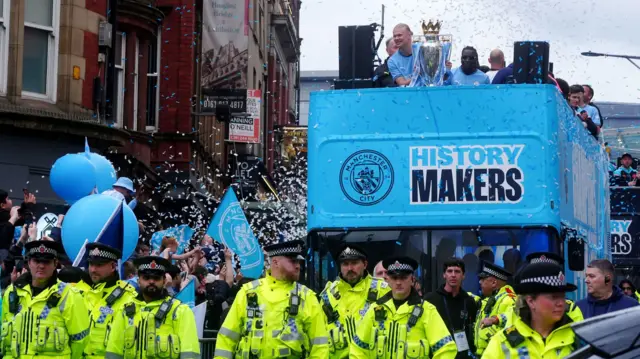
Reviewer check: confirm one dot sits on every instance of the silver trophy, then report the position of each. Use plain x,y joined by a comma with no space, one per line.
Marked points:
433,52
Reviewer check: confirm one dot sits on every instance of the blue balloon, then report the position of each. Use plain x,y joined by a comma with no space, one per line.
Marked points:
72,177
106,174
86,219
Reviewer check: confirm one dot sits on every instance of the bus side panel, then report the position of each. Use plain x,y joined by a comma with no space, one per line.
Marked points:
584,192
399,157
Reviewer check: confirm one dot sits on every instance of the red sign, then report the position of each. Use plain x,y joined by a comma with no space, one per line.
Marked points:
247,128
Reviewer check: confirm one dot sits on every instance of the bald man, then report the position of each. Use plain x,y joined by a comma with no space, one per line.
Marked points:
380,271
496,62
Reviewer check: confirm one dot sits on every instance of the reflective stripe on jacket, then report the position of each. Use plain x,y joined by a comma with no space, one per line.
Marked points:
520,341
260,323
351,304
137,333
384,332
52,324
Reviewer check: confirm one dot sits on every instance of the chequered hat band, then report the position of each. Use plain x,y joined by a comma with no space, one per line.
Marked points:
399,267
553,281
494,273
42,249
544,260
352,253
152,266
97,253
286,251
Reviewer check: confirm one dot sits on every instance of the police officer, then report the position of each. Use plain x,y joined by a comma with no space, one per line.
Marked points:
275,317
541,327
155,325
573,311
43,317
499,298
346,300
400,324
105,296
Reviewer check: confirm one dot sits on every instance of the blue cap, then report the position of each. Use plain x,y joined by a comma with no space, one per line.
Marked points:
125,183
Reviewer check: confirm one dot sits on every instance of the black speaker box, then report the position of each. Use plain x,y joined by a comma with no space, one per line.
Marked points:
356,48
352,84
531,62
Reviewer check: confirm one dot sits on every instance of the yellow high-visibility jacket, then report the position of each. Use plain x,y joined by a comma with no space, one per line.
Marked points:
264,321
344,307
103,301
571,309
385,333
497,307
52,324
520,341
162,329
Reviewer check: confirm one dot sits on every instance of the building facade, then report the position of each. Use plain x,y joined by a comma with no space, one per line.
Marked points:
311,81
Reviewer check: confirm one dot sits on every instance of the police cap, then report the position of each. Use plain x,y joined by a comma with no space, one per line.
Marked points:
152,265
42,249
488,269
350,251
102,253
292,249
400,265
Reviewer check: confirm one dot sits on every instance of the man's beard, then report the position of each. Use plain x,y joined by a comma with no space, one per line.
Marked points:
469,69
355,279
152,291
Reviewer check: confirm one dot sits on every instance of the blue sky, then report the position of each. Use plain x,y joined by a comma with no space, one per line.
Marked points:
571,27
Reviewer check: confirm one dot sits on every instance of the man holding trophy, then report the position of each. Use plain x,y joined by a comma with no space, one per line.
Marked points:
420,60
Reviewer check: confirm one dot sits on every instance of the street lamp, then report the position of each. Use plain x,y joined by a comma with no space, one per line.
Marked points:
628,57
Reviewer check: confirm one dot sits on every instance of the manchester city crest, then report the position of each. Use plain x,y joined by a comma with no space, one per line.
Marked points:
366,177
236,233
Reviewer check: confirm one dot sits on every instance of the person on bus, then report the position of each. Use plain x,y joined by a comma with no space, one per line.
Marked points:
456,307
401,322
499,297
346,300
541,327
625,174
602,295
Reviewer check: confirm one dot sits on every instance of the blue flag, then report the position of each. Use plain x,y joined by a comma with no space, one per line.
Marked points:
188,294
230,227
112,234
181,233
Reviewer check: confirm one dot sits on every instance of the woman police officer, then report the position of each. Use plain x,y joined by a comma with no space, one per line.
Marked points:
541,327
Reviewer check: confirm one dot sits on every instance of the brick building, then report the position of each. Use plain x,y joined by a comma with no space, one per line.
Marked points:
54,82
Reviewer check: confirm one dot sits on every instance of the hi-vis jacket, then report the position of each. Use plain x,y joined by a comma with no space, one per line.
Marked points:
162,329
520,341
103,301
51,324
273,319
344,307
570,309
414,330
495,306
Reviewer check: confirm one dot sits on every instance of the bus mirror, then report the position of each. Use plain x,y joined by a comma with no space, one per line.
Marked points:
575,251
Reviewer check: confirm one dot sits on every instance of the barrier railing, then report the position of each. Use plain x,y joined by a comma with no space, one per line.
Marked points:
208,344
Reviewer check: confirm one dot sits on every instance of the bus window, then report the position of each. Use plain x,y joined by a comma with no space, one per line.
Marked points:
506,247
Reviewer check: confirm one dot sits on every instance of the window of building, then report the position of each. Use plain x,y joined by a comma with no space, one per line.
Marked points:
5,12
261,27
136,67
255,77
120,59
40,50
153,84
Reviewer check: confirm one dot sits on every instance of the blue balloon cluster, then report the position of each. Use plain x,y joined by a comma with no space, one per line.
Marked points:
87,219
74,176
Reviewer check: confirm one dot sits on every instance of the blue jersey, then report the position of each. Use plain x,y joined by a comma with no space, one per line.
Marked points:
401,65
458,78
